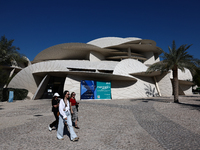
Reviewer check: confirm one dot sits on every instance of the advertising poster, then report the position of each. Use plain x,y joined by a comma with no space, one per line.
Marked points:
95,89
88,88
103,90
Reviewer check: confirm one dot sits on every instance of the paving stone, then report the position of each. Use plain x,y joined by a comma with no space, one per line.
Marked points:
140,124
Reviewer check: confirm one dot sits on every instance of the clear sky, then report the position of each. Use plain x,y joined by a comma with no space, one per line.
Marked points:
38,24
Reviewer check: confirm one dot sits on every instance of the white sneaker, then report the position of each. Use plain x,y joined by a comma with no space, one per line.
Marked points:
49,128
75,139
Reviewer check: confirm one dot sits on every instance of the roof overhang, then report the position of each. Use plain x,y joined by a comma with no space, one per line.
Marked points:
126,57
139,46
155,73
185,82
85,74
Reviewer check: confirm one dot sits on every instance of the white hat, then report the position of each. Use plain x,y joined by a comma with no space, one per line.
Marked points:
56,94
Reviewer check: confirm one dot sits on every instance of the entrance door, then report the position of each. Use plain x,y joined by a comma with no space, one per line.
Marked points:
54,85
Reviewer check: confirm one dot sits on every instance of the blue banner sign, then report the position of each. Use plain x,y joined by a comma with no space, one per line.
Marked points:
11,96
103,90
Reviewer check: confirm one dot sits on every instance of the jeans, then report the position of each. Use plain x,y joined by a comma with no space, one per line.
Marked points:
60,129
55,123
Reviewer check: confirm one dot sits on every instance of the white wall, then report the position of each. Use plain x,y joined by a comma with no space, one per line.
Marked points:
95,56
132,89
187,89
150,58
72,84
164,84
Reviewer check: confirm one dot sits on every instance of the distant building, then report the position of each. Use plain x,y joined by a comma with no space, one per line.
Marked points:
109,66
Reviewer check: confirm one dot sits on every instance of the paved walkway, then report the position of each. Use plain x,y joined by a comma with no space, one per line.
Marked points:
140,124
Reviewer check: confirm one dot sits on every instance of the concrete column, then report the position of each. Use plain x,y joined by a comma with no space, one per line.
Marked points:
41,87
157,87
10,75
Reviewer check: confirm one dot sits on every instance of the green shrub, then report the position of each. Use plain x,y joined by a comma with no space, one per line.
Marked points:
19,94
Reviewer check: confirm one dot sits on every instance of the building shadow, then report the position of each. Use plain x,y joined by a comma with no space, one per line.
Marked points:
168,100
194,96
190,106
154,99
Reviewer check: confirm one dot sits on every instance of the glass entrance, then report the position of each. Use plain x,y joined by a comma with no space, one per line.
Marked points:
54,85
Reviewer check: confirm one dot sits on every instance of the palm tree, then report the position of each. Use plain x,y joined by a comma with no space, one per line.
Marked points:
174,60
9,56
3,77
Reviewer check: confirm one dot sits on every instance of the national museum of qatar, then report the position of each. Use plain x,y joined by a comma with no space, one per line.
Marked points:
104,68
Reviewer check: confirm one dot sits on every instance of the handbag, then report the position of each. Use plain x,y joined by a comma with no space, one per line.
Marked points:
77,106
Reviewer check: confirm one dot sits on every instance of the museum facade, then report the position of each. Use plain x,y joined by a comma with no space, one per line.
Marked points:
104,68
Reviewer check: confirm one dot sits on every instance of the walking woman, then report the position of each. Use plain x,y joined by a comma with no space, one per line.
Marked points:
55,105
65,116
74,109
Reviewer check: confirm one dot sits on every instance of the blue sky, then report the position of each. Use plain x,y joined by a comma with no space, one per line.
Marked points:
38,24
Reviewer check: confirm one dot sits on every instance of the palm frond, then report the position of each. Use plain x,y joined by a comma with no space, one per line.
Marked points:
176,58
159,66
